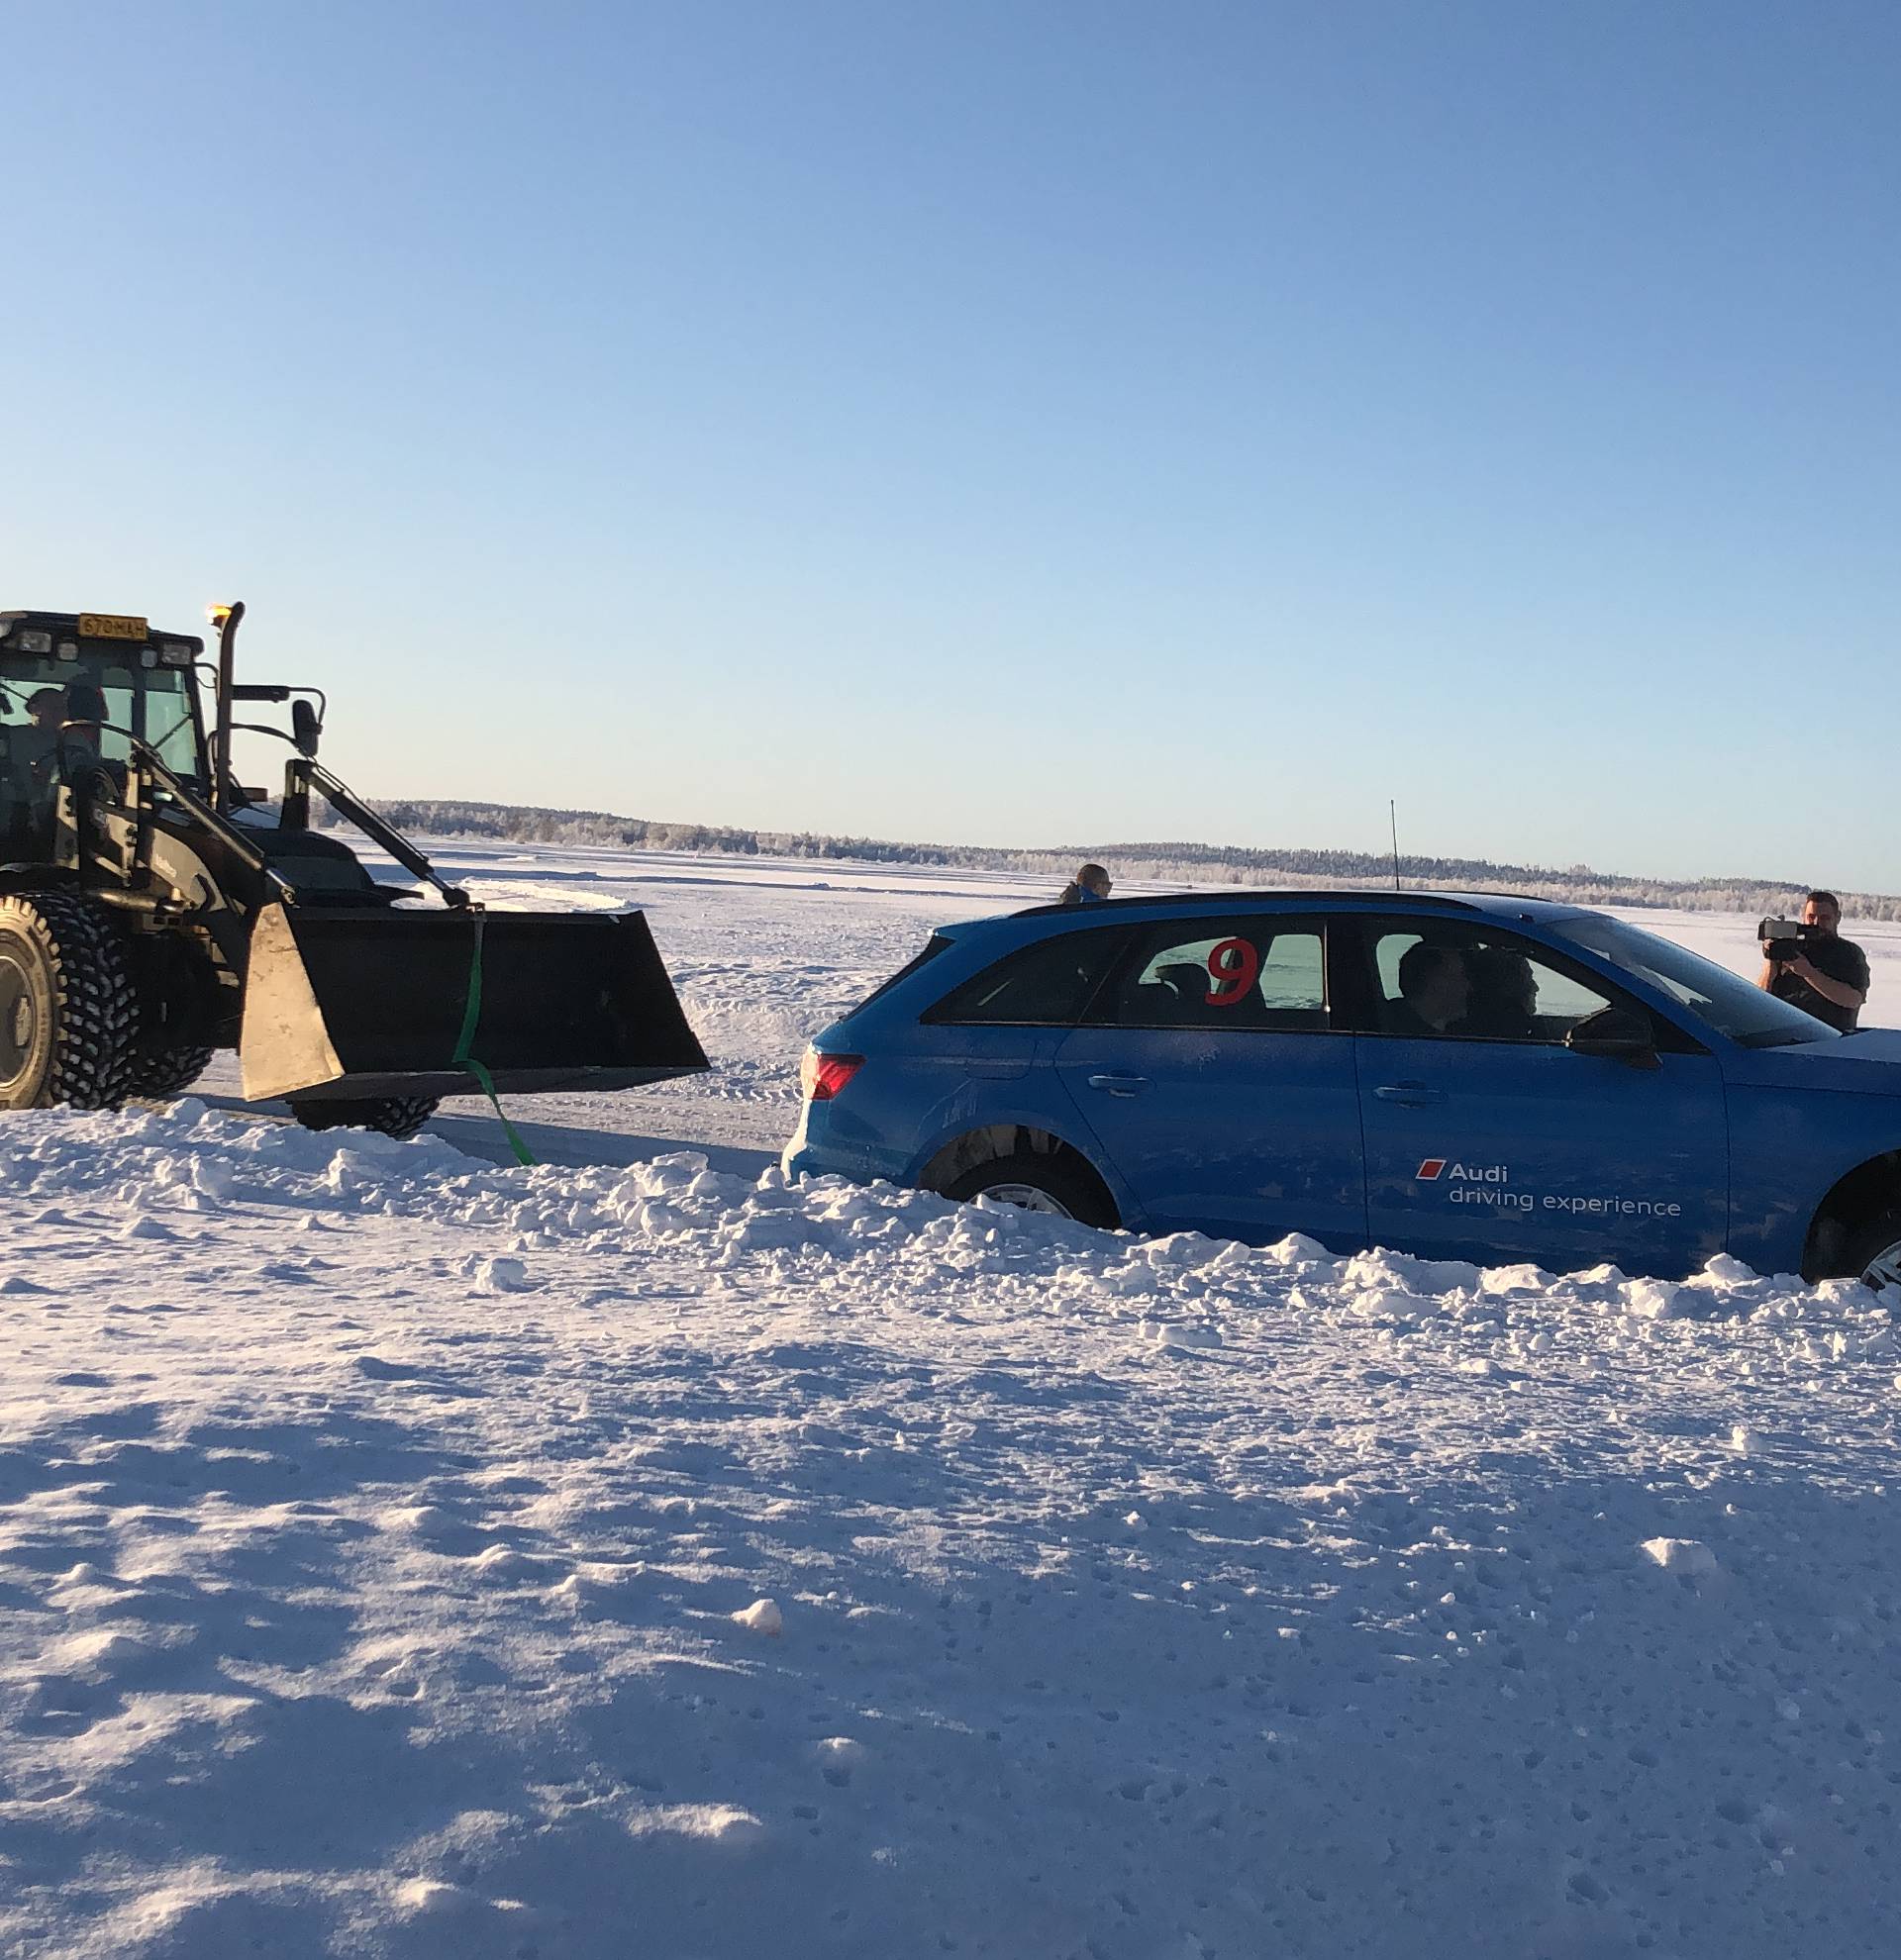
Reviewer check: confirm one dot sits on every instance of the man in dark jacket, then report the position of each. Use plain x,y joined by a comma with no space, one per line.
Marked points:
1829,977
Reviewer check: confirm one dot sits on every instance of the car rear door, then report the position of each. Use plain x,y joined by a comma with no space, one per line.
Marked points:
1211,1074
1489,1139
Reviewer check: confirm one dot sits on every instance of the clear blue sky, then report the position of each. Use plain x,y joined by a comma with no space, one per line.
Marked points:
1003,423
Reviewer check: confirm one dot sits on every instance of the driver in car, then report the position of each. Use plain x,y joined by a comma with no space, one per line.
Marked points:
1504,998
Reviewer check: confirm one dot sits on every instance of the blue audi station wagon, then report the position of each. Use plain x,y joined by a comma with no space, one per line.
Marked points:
1471,1077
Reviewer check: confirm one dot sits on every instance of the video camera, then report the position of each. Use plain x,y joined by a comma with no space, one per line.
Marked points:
1786,939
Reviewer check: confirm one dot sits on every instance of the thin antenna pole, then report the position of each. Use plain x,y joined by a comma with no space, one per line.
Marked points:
1392,814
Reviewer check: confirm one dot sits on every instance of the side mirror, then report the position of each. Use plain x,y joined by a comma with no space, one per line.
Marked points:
305,727
1617,1035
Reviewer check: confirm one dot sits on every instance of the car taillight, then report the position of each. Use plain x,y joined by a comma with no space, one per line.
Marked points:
821,1077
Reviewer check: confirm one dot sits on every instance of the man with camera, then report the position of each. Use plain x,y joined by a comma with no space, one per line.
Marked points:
1811,966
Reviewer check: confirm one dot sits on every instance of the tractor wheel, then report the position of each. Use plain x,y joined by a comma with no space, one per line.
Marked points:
394,1116
165,1072
68,1008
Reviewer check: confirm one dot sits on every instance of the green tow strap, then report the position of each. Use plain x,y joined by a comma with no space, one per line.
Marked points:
461,1059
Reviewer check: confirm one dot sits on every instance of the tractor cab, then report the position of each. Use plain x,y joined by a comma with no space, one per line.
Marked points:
77,692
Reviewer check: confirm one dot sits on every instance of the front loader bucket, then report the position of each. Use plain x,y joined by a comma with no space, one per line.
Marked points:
348,1002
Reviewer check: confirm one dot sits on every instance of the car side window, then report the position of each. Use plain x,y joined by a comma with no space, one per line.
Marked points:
1255,972
1044,985
1458,982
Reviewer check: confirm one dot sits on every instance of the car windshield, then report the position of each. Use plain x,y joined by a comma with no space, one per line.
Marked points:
1715,995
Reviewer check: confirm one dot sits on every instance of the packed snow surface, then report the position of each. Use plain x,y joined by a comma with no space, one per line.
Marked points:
404,1555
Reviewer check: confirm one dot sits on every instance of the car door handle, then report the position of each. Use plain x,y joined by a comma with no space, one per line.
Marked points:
1119,1085
1414,1095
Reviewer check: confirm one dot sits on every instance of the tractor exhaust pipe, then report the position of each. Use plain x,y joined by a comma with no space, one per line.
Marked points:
227,620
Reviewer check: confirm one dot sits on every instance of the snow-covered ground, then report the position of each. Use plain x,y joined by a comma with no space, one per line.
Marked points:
404,1555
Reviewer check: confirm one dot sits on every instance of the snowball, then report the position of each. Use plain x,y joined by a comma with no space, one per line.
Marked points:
210,1178
1682,1555
762,1617
1652,1300
1728,1271
502,1276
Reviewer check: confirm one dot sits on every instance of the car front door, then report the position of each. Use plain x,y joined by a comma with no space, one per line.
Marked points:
1211,1073
1488,1139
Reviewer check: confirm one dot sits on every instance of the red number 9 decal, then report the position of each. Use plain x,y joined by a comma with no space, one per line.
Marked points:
1234,966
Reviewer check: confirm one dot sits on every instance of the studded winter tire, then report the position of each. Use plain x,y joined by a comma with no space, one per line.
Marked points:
68,1008
394,1116
167,1071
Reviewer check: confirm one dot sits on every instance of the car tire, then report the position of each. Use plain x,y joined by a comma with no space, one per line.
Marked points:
1039,1181
395,1116
1874,1252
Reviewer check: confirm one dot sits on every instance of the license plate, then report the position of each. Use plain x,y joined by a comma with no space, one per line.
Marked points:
110,626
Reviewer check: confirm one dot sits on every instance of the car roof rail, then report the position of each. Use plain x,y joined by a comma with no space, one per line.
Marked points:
1451,901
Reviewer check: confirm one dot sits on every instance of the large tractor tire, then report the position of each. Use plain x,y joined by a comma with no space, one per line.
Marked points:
394,1116
169,1071
68,1007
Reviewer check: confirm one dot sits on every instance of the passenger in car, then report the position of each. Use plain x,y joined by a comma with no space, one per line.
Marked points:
1504,997
1434,991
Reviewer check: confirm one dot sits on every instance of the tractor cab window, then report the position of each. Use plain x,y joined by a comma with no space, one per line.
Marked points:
155,704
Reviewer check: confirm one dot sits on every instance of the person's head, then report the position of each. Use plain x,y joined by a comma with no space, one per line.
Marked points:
1095,881
1433,983
1823,909
1517,983
46,707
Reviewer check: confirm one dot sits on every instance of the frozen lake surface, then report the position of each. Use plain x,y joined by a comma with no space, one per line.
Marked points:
405,1554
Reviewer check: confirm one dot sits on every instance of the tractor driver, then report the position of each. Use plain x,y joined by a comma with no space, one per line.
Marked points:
51,747
32,744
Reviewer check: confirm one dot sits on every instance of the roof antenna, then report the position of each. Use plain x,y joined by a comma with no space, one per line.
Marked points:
1392,816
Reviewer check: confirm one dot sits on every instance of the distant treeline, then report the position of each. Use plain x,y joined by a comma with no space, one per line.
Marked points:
1166,863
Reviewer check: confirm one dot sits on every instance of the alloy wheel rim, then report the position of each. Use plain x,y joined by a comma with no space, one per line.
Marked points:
1884,1269
1028,1198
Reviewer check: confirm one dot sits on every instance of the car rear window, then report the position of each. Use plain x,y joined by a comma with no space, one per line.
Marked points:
936,944
1257,972
1046,985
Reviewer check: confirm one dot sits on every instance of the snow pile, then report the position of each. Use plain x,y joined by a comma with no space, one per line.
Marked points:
404,1556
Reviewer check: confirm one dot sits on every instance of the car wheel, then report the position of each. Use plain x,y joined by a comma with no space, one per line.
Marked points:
1874,1255
1037,1181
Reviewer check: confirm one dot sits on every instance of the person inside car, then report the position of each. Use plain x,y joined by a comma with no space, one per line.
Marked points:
1435,990
1504,996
